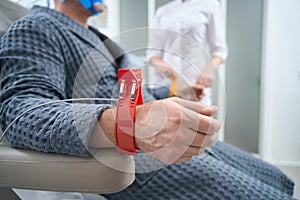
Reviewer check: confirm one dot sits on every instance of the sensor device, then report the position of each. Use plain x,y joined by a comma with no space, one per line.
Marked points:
130,95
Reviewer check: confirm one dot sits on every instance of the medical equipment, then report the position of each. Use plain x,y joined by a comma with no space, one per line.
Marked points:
130,96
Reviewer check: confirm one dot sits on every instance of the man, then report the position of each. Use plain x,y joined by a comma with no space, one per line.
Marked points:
53,54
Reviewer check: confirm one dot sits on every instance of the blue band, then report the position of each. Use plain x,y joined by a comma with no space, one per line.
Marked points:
88,4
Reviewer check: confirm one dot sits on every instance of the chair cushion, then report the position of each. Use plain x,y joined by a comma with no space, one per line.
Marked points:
107,172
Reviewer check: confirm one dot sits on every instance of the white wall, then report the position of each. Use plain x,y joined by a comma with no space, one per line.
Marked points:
280,108
108,22
244,33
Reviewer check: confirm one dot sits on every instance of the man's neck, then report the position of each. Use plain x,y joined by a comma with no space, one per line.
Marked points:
73,11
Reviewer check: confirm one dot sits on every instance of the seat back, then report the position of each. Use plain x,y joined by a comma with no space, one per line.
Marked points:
10,12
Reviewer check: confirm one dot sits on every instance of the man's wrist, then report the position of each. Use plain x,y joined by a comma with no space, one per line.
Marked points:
103,135
107,124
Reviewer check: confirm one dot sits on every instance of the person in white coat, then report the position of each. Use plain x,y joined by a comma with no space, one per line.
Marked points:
187,40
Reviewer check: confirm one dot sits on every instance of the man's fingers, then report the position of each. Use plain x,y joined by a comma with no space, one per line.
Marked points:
193,151
99,7
199,123
188,155
206,125
182,159
197,107
202,140
198,140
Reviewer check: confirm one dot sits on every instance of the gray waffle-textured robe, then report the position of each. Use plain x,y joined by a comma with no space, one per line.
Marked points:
47,56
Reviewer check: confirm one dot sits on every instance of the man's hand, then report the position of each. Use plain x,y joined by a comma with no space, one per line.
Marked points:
173,130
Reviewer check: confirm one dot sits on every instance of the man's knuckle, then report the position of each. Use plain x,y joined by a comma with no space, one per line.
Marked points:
170,138
215,125
176,114
205,124
210,139
175,99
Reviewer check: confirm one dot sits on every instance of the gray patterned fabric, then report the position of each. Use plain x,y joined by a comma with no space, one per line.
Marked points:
40,59
225,172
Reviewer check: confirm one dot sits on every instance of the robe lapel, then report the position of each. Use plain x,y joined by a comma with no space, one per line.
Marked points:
84,34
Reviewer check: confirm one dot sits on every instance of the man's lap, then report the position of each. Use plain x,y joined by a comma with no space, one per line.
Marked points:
213,175
252,166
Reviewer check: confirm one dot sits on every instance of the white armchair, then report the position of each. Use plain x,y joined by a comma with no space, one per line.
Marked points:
25,169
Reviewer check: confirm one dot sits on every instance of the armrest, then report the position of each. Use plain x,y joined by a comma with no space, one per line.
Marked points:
27,169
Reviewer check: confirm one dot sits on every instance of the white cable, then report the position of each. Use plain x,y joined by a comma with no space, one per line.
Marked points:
52,102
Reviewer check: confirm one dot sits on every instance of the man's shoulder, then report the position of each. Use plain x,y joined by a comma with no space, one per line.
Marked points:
27,30
37,20
32,22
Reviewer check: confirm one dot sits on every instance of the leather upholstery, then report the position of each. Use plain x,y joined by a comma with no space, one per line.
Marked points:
44,171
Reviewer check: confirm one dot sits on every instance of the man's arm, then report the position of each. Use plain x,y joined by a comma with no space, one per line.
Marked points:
33,73
171,130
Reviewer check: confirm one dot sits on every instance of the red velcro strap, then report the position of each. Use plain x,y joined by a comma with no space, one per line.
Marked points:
130,96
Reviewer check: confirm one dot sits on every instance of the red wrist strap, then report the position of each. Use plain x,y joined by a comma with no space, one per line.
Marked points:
130,96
